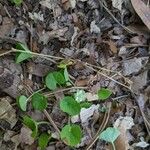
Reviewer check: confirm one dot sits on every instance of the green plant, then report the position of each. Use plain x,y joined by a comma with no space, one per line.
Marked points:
17,2
20,56
104,93
38,101
69,105
110,135
71,134
43,140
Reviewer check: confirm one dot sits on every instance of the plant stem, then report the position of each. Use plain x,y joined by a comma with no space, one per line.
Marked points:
113,145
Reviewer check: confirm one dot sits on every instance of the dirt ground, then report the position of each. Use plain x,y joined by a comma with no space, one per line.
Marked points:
103,44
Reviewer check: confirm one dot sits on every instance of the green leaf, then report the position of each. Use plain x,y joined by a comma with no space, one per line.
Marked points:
59,78
104,93
70,106
39,101
22,102
43,140
110,134
71,134
66,75
80,96
85,105
21,56
50,81
32,124
17,2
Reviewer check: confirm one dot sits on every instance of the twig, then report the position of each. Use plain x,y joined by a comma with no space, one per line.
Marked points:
101,128
127,29
63,90
51,120
5,53
109,77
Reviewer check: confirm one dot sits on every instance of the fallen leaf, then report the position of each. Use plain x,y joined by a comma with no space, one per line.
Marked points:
138,82
25,136
123,124
143,11
142,143
117,4
87,113
94,28
7,112
134,65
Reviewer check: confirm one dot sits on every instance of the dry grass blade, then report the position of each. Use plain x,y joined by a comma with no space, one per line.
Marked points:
101,128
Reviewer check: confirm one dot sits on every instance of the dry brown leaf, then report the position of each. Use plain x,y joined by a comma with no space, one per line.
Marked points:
143,11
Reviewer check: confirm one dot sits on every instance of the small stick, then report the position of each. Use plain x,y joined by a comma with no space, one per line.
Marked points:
51,120
63,90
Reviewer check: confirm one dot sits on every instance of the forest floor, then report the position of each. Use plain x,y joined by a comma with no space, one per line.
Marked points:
74,74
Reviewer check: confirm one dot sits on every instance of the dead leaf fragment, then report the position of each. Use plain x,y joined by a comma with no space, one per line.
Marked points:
143,11
134,65
123,124
25,136
117,4
7,112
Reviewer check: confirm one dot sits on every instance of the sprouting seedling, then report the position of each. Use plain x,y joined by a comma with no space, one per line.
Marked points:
38,101
104,93
44,138
110,135
20,56
17,2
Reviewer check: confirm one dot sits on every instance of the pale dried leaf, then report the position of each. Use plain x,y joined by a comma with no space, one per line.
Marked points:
25,136
142,143
7,112
87,113
94,28
123,124
134,65
117,4
143,11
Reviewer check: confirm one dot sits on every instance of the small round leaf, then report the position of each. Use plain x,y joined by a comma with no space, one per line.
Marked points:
110,134
71,134
59,77
39,101
104,93
43,140
22,102
50,81
70,106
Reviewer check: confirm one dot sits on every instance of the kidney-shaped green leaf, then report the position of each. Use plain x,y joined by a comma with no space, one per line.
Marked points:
71,134
43,140
22,102
110,134
104,93
50,81
32,124
39,101
70,106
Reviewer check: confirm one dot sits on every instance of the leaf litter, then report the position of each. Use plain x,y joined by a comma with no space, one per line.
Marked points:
94,45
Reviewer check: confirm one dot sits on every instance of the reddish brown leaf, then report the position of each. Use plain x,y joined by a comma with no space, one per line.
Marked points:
143,11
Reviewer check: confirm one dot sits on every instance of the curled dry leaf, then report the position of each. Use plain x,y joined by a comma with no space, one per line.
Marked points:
143,11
